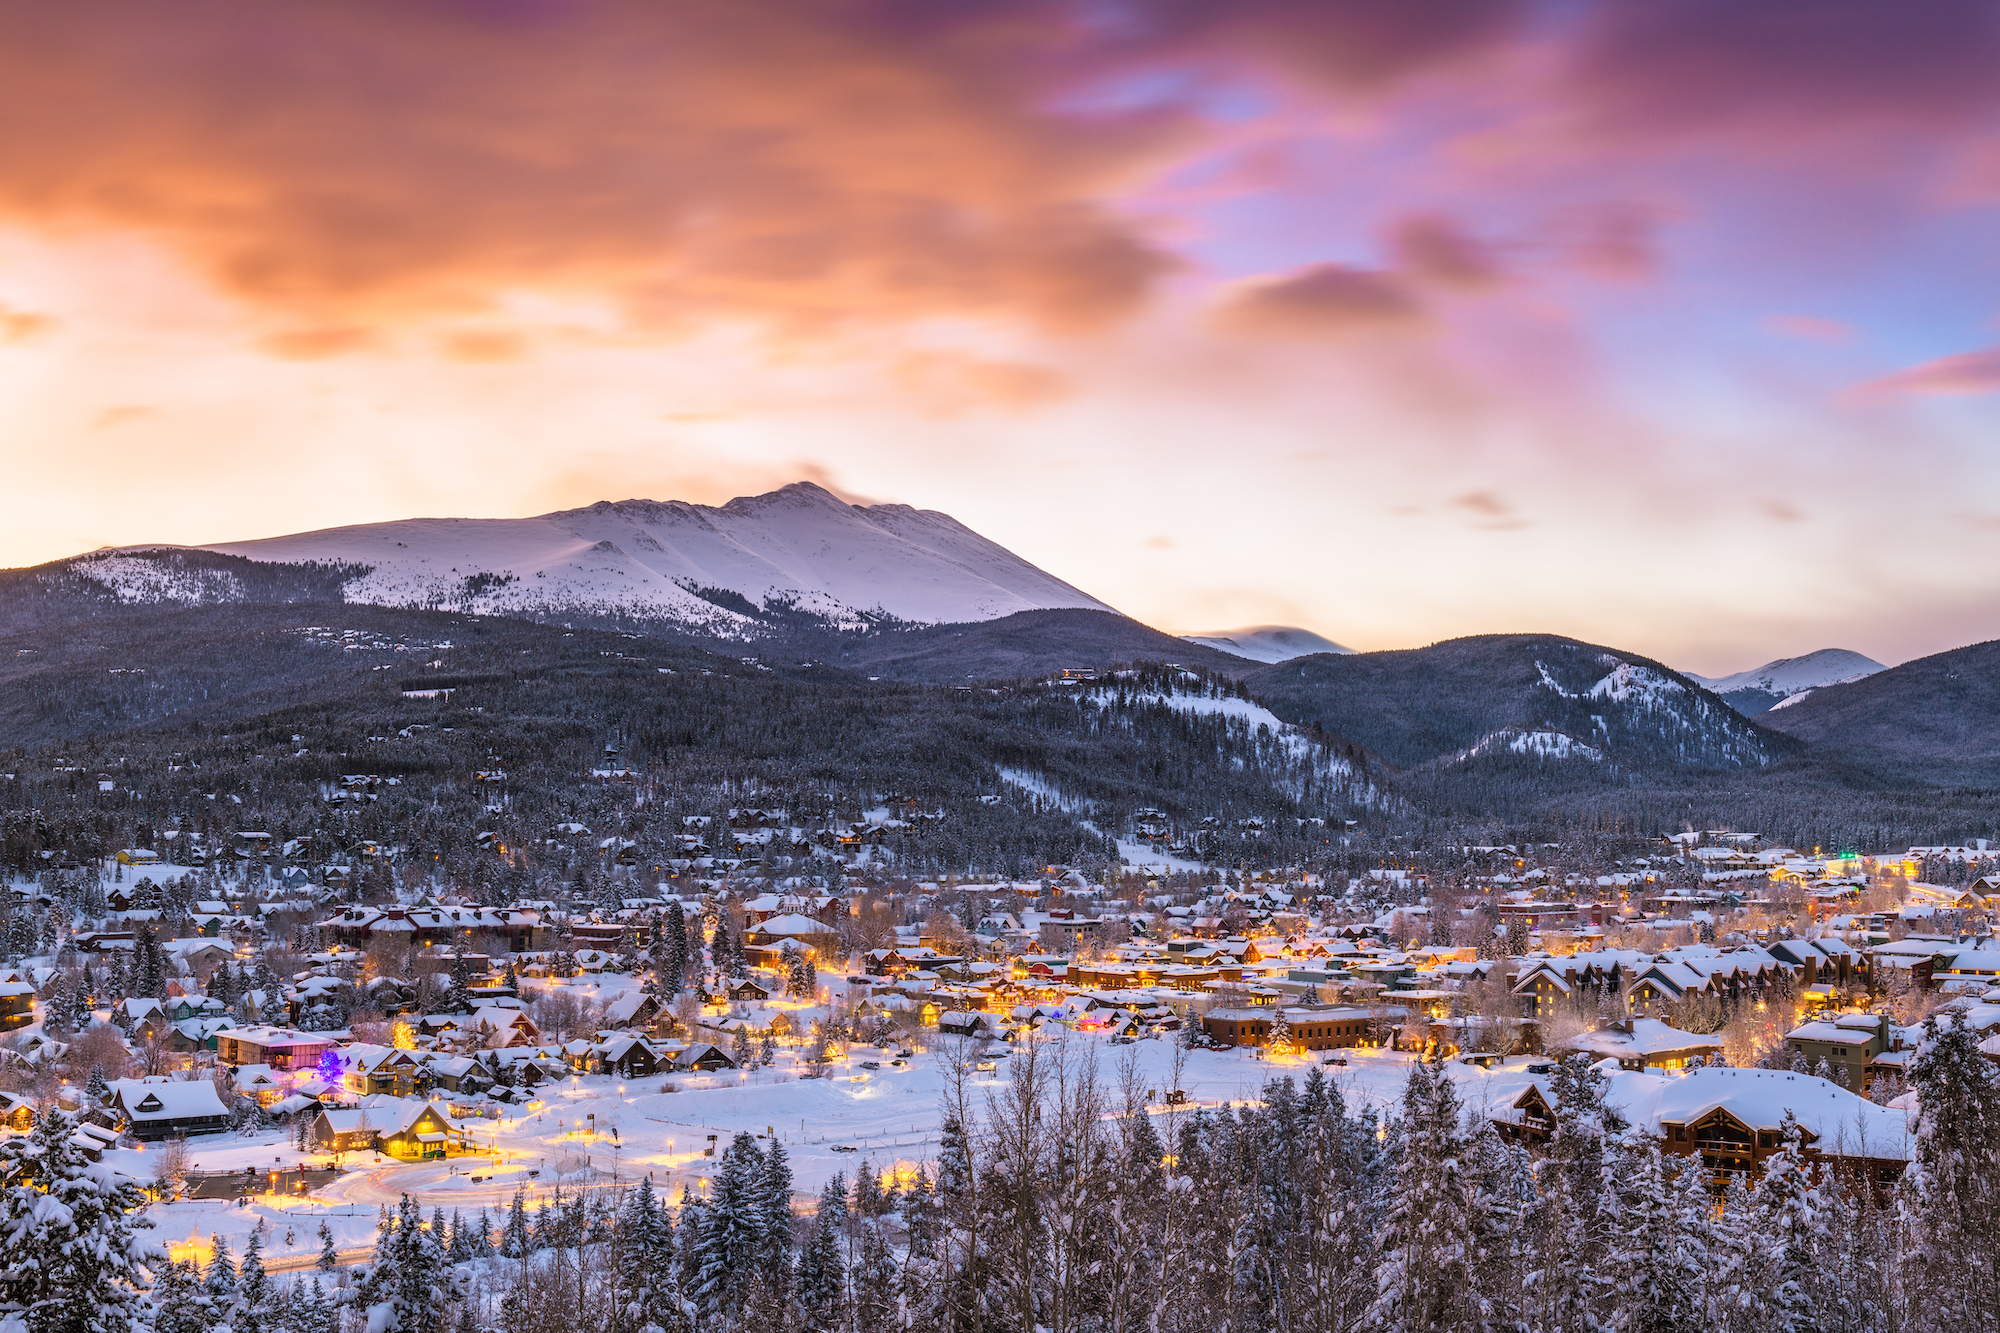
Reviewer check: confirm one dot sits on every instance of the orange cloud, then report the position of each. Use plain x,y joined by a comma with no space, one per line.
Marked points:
1318,301
365,162
19,326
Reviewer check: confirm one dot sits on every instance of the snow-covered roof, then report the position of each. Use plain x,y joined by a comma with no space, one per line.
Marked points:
1648,1037
161,1099
1846,1125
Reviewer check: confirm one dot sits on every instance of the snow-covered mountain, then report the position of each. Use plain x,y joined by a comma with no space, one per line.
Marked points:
1789,679
797,556
1267,643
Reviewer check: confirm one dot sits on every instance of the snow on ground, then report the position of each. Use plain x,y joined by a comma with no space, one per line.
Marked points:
889,1117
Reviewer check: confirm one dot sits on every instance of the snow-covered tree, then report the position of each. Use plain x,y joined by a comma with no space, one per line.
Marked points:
74,1257
408,1288
1427,1275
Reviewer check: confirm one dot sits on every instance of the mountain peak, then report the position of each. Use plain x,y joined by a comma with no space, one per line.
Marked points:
1765,687
798,554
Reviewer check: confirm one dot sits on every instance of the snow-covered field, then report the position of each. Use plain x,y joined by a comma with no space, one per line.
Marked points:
885,1117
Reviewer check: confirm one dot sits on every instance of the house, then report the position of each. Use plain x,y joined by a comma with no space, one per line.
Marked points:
631,1009
746,990
415,1131
1734,1119
499,1027
17,1004
1849,1045
195,1034
966,1023
156,1108
370,1069
344,1129
418,1132
704,1057
260,1083
16,1111
624,1056
1639,1043
280,1048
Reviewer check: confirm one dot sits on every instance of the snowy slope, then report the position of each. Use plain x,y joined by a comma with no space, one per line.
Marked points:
1267,643
1789,675
1789,679
716,569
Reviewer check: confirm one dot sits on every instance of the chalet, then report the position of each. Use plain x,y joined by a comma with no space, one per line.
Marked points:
1975,969
625,1057
1826,961
742,989
260,1083
155,1108
369,1069
1639,1043
1546,983
631,1009
499,1028
1734,1119
703,1057
417,1132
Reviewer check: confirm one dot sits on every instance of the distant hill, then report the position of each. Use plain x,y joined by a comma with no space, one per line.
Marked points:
1267,643
1029,643
1509,698
1761,688
1932,721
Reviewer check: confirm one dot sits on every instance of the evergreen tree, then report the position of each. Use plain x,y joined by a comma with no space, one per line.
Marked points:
329,1258
645,1261
1660,1259
1427,1275
774,1219
514,1242
179,1304
75,1255
822,1276
1790,1233
312,1312
874,1280
458,999
674,964
1951,1193
408,1289
482,1237
253,1285
220,1280
731,1235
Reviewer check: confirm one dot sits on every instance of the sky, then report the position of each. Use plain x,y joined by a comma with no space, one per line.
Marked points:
1668,327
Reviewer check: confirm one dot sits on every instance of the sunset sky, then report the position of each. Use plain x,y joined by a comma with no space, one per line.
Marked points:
1668,326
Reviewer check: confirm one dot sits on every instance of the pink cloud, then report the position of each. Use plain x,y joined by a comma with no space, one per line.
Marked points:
1963,373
